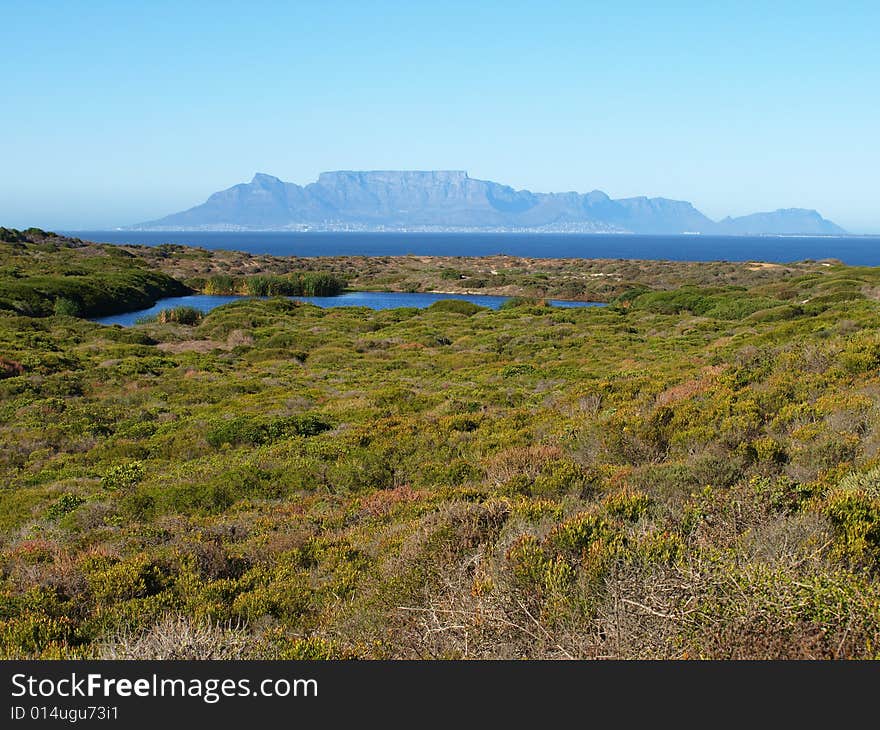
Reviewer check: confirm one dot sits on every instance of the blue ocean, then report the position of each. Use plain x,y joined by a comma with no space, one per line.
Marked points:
855,250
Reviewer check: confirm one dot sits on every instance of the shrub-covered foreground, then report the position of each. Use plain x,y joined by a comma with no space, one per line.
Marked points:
691,473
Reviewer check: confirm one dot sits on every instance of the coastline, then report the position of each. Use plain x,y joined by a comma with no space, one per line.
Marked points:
856,250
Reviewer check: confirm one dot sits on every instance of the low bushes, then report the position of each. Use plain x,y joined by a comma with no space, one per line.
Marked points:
63,281
518,302
456,306
717,303
285,481
256,430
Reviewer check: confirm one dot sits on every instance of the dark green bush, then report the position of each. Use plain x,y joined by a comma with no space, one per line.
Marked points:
66,307
263,430
65,504
456,306
516,302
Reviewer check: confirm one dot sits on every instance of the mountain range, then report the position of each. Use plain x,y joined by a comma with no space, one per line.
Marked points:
449,200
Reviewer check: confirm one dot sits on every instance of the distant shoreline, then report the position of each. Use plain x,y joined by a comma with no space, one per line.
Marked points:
468,231
857,250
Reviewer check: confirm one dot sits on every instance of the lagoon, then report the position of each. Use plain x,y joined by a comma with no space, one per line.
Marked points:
369,299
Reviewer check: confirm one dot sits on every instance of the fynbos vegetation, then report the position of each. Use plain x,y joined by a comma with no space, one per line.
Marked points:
309,284
43,274
693,471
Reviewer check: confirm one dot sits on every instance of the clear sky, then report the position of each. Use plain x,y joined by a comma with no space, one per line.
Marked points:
118,112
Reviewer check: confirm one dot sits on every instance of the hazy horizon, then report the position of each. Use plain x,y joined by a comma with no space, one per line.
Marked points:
119,115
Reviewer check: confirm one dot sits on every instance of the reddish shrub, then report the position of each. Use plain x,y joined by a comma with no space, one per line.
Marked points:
10,368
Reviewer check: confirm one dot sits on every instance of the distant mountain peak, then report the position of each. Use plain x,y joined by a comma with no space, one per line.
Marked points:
261,178
451,200
782,221
334,176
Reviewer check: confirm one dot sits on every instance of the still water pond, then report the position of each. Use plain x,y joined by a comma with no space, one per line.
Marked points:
372,300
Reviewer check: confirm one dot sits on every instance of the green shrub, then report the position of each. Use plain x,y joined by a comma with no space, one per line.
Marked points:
510,371
731,304
361,469
257,430
123,477
860,357
36,635
575,534
65,504
137,504
516,302
561,476
180,315
528,563
628,505
456,306
781,494
867,483
220,284
123,581
313,648
856,521
212,495
67,307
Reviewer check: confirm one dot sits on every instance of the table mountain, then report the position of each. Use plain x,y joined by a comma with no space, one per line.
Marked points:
450,200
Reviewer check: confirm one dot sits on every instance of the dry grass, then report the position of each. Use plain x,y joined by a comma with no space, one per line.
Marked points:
520,461
180,637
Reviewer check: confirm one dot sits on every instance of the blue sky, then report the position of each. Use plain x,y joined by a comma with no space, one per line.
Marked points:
117,112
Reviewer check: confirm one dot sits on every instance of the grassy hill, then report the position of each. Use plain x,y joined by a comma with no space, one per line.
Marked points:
42,273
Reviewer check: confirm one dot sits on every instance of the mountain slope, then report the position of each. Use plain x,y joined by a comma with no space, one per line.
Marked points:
450,200
783,221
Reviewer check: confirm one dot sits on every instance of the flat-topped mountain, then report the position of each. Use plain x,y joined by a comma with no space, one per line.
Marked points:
449,200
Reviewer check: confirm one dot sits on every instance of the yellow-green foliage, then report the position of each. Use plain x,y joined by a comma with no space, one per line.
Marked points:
123,476
854,510
691,472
